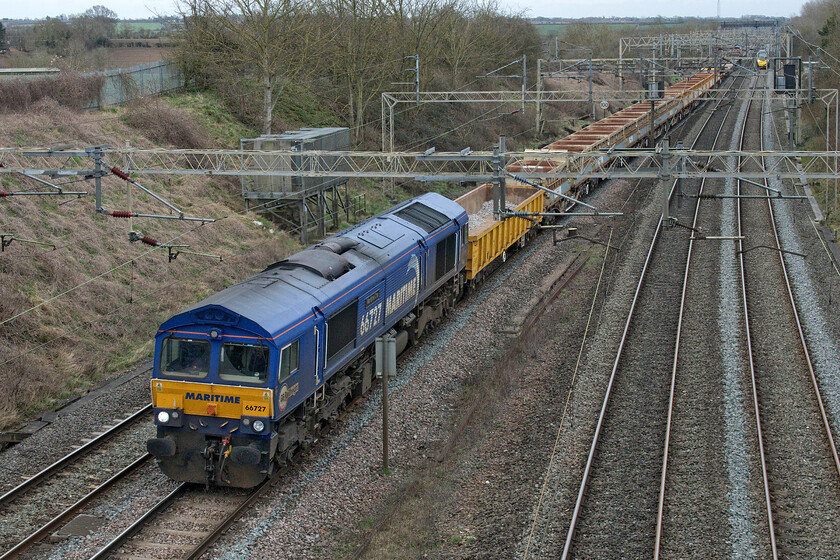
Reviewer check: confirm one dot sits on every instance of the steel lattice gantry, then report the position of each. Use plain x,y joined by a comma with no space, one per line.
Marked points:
454,166
556,172
390,100
706,44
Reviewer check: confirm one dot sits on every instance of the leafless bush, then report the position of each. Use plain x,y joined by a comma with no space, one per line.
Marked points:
71,90
165,124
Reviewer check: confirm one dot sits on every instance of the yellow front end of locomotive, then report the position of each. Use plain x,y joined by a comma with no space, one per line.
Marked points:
203,399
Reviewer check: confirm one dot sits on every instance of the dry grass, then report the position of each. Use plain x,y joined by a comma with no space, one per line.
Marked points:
92,332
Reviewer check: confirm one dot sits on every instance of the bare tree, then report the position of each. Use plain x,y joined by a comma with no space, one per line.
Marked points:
250,48
268,41
373,41
52,35
94,27
362,56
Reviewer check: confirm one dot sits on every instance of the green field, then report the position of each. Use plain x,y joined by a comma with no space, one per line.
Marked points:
132,26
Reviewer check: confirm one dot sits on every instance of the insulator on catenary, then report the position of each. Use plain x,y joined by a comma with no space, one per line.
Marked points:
120,173
122,214
150,241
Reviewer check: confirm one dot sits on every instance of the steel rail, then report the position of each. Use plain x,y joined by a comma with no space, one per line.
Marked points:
222,526
70,458
602,415
229,519
135,527
759,433
661,507
209,539
54,523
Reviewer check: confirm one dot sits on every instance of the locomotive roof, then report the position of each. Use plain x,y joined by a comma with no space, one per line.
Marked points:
277,298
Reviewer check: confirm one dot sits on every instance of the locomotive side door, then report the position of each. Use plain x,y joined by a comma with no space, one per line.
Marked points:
320,344
422,272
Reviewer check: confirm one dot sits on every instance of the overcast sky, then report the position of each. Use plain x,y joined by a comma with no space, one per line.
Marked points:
549,8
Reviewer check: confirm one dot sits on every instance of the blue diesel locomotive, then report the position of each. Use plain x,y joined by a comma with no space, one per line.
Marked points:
245,378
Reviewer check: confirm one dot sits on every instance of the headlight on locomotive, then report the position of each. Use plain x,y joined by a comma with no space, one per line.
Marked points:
254,425
172,417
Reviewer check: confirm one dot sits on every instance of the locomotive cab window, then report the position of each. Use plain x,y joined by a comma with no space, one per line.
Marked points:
289,360
185,357
243,362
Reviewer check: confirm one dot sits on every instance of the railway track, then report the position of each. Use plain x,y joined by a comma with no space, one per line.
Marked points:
185,523
615,510
754,474
47,499
191,518
706,501
802,469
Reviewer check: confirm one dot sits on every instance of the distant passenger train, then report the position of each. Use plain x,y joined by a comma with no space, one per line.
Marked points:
761,59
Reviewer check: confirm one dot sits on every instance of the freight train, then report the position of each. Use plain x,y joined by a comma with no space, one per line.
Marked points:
246,378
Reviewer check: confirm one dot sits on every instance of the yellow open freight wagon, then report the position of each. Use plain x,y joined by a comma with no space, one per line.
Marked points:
490,238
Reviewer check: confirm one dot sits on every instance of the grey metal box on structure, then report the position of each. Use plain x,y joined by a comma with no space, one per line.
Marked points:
301,204
278,187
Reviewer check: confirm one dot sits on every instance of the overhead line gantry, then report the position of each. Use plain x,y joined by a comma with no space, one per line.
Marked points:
458,166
